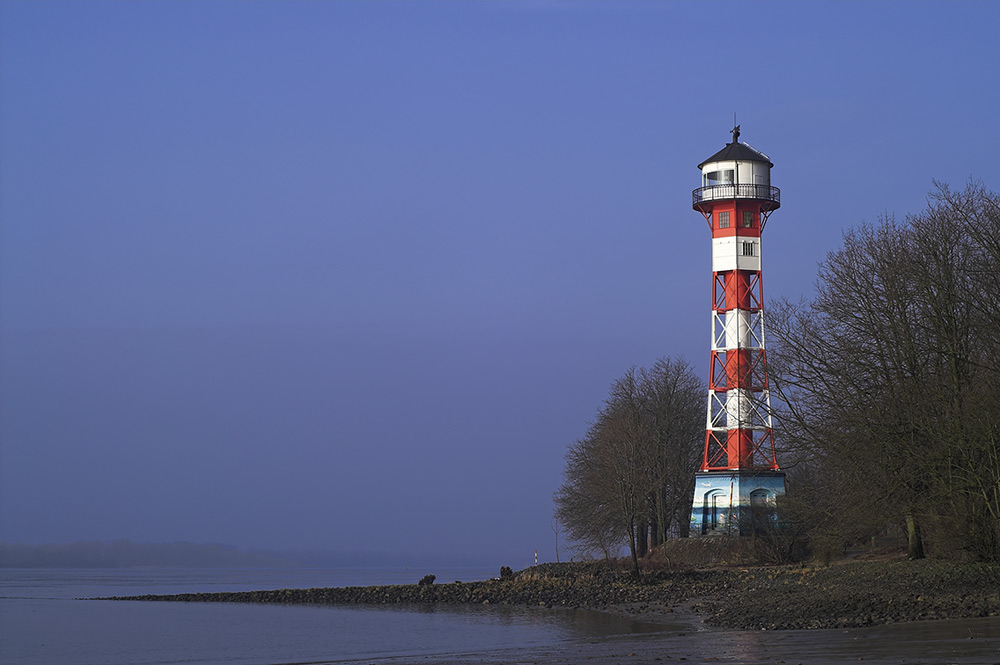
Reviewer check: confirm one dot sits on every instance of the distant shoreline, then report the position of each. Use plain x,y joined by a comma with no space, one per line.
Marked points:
123,554
848,595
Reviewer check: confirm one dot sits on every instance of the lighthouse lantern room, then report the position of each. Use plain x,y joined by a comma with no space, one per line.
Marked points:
739,479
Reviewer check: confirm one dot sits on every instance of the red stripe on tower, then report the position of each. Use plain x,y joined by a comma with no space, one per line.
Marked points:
736,199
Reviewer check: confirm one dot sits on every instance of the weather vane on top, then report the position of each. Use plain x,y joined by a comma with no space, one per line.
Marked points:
735,131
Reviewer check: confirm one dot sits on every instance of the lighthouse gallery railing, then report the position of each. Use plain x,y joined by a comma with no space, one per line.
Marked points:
741,191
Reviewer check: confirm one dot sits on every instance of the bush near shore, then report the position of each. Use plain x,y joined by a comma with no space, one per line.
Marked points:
851,594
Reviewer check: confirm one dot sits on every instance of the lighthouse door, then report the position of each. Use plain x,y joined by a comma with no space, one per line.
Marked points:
712,511
760,510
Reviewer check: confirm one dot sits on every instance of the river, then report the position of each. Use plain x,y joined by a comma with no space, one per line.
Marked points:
45,621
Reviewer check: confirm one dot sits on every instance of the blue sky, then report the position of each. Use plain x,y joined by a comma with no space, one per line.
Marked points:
352,275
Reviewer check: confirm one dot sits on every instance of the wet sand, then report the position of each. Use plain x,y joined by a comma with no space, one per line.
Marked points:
955,641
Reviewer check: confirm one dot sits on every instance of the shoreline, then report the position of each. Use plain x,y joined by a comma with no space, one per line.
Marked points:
851,594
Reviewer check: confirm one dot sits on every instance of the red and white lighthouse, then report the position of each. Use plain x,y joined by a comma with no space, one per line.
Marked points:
739,478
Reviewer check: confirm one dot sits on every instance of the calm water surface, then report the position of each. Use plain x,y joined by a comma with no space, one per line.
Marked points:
43,620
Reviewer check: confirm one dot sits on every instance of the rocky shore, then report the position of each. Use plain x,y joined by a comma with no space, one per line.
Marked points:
847,595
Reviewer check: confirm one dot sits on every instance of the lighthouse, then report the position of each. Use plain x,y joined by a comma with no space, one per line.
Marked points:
739,478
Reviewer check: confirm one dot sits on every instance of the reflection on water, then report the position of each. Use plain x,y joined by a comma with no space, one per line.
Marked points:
953,641
585,623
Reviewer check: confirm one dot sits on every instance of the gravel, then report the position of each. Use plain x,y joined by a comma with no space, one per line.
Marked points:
847,595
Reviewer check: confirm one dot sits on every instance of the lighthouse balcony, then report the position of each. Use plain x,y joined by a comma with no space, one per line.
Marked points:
769,196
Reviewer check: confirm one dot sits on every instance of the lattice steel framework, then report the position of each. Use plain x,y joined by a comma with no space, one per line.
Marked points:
739,433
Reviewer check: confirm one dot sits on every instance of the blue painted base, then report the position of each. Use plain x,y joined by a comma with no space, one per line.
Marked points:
735,503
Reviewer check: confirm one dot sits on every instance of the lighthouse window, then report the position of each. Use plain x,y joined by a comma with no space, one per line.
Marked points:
724,220
748,248
713,178
747,219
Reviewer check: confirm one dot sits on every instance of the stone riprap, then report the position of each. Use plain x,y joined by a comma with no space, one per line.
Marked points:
852,594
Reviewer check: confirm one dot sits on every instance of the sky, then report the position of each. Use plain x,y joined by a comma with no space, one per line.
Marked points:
353,275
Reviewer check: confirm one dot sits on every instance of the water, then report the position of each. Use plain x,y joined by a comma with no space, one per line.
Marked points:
44,621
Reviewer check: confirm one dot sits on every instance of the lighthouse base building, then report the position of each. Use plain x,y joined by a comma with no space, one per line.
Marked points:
737,485
735,504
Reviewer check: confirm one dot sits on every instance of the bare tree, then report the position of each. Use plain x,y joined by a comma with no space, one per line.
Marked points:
585,502
673,404
889,376
635,467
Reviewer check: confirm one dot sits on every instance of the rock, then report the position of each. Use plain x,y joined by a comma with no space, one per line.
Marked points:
842,596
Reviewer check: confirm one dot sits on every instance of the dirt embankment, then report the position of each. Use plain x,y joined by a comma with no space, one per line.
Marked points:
848,595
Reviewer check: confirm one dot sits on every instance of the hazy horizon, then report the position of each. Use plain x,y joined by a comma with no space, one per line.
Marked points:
122,553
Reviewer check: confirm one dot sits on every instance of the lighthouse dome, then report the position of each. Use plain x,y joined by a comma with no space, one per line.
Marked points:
738,151
736,163
738,171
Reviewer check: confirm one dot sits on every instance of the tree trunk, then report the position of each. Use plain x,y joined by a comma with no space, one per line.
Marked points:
661,518
914,543
631,547
642,537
